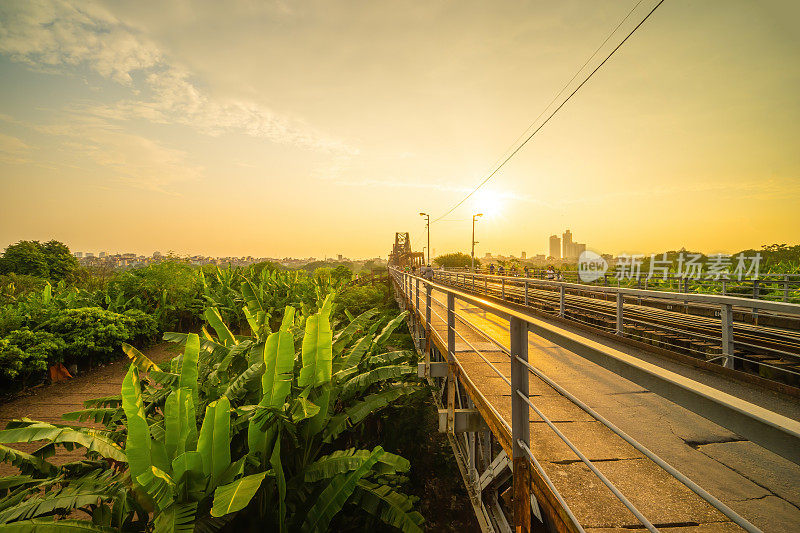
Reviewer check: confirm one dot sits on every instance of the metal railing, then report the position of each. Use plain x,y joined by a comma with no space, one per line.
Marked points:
775,432
778,287
528,289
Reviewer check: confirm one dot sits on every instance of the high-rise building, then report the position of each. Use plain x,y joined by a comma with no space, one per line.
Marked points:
524,255
578,248
566,244
555,247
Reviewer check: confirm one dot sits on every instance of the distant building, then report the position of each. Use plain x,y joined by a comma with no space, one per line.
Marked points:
78,254
570,249
524,255
488,255
555,247
339,257
566,244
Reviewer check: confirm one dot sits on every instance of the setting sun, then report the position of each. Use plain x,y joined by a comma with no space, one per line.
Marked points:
490,203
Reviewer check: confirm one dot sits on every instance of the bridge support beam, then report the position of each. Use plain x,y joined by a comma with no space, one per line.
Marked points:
465,421
432,369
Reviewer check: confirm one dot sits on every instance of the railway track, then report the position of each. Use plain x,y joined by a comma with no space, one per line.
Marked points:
766,344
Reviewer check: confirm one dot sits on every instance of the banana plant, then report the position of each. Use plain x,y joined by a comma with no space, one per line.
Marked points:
308,480
261,423
175,473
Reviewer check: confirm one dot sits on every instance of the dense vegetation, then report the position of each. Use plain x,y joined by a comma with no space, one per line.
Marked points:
258,423
456,260
52,311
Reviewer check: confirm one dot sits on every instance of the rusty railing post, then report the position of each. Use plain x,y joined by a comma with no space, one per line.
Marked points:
451,359
520,425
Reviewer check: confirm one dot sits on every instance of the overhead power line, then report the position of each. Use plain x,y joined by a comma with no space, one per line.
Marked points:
556,110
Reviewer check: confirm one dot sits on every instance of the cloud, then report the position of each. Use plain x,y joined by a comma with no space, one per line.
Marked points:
13,150
126,158
57,36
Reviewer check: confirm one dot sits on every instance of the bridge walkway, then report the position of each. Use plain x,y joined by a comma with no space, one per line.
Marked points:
758,484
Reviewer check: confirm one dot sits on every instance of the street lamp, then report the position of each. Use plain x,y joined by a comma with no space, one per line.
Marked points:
474,242
428,226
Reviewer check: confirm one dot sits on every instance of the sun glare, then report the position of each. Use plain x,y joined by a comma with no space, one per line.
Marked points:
490,203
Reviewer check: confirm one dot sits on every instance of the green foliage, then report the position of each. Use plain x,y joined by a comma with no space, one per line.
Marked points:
357,299
266,451
455,260
92,332
25,257
51,260
24,352
170,291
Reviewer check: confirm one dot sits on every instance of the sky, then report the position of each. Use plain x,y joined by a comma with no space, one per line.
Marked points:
319,128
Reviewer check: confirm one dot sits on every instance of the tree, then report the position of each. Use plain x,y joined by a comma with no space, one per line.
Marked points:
51,260
25,257
60,261
456,260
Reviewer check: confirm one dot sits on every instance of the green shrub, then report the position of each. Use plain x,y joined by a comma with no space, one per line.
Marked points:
92,333
24,352
358,299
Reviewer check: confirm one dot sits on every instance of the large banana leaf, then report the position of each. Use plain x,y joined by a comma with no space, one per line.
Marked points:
137,445
87,438
317,351
177,518
26,462
363,408
159,486
391,507
278,363
188,366
224,334
390,357
142,362
358,324
362,381
180,424
48,503
238,387
101,415
390,327
358,351
342,461
43,525
335,495
214,442
237,495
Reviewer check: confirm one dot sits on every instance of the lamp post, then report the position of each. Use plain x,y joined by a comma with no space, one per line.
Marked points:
474,242
428,227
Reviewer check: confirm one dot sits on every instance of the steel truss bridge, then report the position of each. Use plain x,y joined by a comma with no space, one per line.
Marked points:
559,425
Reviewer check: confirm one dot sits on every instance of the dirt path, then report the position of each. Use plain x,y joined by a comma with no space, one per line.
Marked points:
48,403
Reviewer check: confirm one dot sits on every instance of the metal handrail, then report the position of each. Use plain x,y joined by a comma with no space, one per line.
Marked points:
494,308
647,524
711,299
